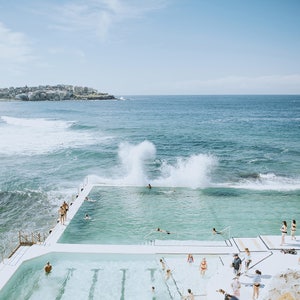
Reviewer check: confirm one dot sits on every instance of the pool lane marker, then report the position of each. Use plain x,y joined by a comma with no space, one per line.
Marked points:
63,287
95,279
123,284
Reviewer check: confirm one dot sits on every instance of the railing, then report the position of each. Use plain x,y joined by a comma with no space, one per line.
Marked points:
30,239
24,240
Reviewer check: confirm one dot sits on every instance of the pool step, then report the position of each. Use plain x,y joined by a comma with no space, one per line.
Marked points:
17,255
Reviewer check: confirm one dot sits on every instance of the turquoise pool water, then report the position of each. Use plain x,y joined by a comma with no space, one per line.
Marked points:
106,277
130,215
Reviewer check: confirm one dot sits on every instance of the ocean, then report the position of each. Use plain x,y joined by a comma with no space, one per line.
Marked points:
212,161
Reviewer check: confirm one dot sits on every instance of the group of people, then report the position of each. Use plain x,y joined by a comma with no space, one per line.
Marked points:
190,260
284,231
62,212
202,266
168,273
235,284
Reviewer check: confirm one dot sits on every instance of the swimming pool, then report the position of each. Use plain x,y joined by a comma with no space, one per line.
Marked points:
130,215
107,276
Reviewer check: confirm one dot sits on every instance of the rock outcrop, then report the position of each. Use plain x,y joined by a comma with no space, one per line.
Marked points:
52,93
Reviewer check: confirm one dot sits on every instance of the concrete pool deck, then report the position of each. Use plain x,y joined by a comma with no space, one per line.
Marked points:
265,251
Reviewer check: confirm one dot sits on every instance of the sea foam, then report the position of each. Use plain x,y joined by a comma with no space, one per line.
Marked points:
24,136
268,181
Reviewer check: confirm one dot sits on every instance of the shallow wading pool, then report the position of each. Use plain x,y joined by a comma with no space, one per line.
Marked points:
107,276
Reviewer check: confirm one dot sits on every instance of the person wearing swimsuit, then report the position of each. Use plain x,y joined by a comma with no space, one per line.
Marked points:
283,230
256,284
293,230
190,259
247,259
203,266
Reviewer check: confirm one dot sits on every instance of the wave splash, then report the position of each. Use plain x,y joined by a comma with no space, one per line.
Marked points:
191,172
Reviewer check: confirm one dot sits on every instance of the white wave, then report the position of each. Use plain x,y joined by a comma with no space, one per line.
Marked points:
36,122
133,158
29,136
268,181
192,172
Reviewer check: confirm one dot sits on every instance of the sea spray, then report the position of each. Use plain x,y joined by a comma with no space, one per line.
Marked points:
133,158
192,172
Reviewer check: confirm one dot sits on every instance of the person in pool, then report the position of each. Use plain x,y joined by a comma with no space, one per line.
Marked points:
48,268
163,231
87,217
214,231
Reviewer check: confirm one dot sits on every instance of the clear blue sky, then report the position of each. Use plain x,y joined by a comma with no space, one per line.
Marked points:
127,47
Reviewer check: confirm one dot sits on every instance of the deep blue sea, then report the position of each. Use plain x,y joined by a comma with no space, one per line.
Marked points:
212,161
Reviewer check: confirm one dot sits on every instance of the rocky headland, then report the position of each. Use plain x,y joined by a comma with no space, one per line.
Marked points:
53,93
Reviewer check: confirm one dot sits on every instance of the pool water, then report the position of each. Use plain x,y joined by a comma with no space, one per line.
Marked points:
130,215
106,277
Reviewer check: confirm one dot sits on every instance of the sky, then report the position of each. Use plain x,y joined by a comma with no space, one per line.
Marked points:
152,47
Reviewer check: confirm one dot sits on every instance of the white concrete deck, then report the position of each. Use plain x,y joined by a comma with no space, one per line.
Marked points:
265,252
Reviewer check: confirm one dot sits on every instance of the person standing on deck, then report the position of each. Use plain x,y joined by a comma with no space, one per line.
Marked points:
247,259
236,264
283,230
61,215
236,286
65,205
293,230
256,284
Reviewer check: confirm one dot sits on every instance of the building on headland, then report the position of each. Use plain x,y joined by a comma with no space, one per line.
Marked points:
53,93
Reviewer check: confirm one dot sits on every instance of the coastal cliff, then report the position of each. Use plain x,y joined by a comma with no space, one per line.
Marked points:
53,93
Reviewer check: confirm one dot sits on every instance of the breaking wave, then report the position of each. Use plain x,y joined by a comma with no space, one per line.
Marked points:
24,136
192,172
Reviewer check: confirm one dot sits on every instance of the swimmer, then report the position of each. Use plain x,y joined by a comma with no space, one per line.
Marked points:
149,186
163,265
163,231
87,217
190,295
89,200
48,268
214,231
168,274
